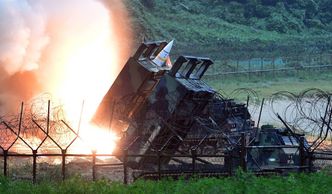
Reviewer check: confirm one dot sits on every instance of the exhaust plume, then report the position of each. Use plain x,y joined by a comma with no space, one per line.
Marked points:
72,49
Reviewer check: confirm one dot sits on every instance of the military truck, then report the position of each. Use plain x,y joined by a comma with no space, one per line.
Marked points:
162,110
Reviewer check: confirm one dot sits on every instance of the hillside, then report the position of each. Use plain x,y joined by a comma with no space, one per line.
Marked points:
232,28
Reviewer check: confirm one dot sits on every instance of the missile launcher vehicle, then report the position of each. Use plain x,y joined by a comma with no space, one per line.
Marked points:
169,110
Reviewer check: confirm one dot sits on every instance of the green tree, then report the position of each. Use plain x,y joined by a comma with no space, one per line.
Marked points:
311,9
149,3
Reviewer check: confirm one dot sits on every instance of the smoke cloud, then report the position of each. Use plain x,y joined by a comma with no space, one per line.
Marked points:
38,38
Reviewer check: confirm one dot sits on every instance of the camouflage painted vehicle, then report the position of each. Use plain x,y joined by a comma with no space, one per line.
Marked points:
278,149
157,109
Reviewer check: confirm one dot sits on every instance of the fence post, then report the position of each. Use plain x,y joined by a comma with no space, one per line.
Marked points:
249,68
298,63
125,157
193,154
5,157
243,152
262,66
308,59
159,164
94,165
230,160
237,65
34,165
273,67
63,164
301,153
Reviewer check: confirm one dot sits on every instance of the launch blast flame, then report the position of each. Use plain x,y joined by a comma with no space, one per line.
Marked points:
71,49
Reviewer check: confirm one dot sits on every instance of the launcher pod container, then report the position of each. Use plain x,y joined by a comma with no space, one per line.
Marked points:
164,120
131,88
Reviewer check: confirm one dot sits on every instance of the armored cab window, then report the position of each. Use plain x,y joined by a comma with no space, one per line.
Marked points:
269,139
286,140
294,140
289,140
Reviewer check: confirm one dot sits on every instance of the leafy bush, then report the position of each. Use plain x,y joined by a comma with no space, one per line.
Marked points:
276,23
313,23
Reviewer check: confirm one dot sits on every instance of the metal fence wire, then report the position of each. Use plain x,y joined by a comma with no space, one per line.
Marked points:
33,135
12,134
259,66
44,133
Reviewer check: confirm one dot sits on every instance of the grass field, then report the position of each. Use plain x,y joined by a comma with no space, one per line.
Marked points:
267,85
241,183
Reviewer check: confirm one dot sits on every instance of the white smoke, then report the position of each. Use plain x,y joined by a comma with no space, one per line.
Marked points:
22,37
28,27
37,35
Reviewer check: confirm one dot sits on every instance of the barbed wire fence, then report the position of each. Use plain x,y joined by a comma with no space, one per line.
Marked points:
43,130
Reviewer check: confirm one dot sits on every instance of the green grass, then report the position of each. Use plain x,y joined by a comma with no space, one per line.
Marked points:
267,85
241,183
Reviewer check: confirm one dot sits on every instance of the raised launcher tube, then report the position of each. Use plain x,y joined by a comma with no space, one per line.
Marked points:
131,88
167,116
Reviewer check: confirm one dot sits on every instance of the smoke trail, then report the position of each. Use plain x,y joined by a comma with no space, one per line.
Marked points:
22,35
40,39
22,38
